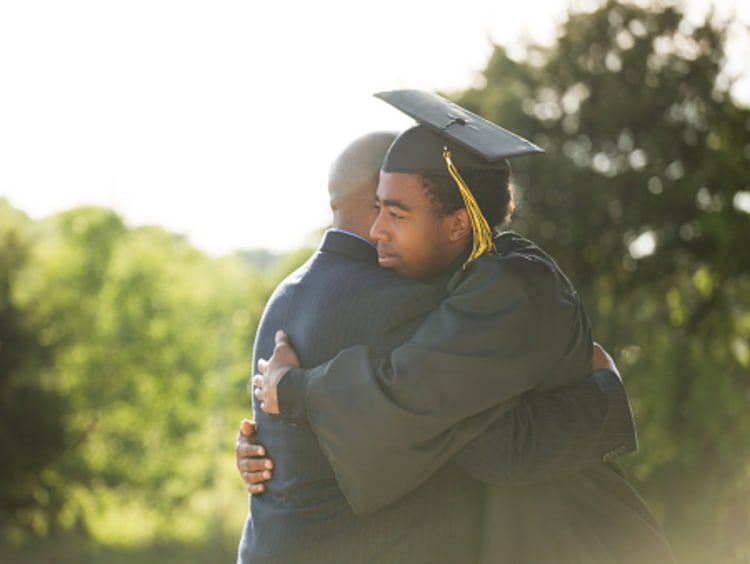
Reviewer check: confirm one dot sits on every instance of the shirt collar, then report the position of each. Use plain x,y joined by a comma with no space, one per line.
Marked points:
352,234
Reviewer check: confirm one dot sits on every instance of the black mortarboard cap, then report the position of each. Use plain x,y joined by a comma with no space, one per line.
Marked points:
473,141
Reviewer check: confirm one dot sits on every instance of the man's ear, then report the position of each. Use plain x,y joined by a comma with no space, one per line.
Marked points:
460,225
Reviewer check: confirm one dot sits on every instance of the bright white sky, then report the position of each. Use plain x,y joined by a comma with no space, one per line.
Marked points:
218,119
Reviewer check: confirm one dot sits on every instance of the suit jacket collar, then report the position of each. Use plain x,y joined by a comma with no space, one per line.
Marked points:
349,245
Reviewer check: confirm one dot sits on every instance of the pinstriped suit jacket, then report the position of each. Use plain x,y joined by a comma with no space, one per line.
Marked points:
340,298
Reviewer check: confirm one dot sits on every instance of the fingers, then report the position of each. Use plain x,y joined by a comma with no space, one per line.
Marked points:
247,428
264,385
255,471
246,450
281,341
281,338
255,489
258,468
258,390
254,481
284,355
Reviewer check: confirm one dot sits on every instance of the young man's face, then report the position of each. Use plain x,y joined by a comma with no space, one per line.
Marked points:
410,238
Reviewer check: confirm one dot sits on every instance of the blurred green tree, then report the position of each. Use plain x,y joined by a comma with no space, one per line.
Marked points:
643,196
31,430
152,339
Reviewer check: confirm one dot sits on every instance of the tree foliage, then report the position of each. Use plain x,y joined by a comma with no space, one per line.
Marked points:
124,353
152,341
31,434
642,196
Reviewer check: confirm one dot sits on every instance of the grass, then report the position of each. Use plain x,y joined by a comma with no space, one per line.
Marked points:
81,552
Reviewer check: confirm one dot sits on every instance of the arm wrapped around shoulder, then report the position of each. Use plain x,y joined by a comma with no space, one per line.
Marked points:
510,324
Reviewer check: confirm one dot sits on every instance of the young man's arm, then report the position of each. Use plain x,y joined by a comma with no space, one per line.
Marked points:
499,335
553,434
542,436
545,435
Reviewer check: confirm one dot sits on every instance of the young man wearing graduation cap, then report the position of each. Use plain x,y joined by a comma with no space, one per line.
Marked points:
339,298
511,324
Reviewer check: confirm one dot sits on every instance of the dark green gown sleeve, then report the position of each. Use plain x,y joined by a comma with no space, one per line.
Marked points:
554,434
512,323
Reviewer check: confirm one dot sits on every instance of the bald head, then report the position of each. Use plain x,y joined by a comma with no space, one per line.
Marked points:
353,178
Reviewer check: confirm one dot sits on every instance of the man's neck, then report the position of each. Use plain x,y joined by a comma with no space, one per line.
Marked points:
441,279
352,234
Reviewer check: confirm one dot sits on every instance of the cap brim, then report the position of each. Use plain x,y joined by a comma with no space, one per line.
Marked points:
476,134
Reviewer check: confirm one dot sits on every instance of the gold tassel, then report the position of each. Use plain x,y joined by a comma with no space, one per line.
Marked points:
481,230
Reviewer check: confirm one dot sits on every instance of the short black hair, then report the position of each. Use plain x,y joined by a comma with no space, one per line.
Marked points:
491,188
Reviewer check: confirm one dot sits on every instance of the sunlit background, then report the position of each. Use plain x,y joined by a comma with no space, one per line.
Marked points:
142,143
217,120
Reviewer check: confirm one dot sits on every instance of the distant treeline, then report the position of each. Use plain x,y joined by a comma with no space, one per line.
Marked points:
125,353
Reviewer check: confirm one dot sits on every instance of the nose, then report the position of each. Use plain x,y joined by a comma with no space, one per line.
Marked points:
378,231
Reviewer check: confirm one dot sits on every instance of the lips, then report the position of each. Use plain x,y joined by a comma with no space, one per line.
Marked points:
387,260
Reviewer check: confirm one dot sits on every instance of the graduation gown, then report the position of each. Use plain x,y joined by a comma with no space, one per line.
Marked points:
512,324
